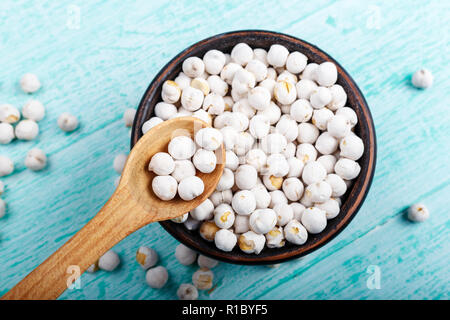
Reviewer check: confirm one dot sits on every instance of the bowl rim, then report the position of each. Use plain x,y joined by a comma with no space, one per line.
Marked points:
251,259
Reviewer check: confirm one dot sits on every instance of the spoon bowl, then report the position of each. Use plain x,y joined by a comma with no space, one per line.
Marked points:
132,206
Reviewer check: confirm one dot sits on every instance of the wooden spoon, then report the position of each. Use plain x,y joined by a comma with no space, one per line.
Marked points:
132,206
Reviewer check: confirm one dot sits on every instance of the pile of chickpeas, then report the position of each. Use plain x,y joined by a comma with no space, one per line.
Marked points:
291,150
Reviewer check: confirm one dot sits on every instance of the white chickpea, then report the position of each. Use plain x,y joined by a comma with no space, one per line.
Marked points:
9,113
190,188
245,177
339,97
27,130
183,169
109,261
320,97
203,115
262,197
295,167
187,291
182,148
6,166
157,277
238,120
321,117
347,169
277,55
183,81
348,113
30,83
185,255
224,216
272,183
262,220
241,224
214,104
225,240
208,230
272,113
67,122
244,202
119,162
243,106
165,187
301,110
226,180
33,110
192,99
306,201
193,67
244,143
243,81
326,143
293,188
201,84
314,220
214,61
251,242
338,126
422,78
313,172
170,92
259,126
146,257
217,85
209,138
273,143
261,55
180,219
296,62
326,74
271,74
36,159
242,54
204,211
288,128
418,212
6,133
298,209
219,197
228,72
285,92
269,84
277,197
259,98
150,123
258,68
275,238
295,233
305,88
256,158
277,165
331,208
161,164
352,147
284,213
307,133
328,161
289,151
306,152
318,192
231,160
206,262
310,71
203,279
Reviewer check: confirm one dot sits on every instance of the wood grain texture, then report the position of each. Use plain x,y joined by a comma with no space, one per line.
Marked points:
103,67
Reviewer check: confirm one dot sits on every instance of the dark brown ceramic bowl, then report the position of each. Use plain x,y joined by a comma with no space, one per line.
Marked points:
352,200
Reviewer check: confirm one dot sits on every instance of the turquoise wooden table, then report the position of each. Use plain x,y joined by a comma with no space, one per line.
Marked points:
96,58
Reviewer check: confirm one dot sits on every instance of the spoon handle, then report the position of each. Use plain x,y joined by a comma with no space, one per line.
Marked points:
112,224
